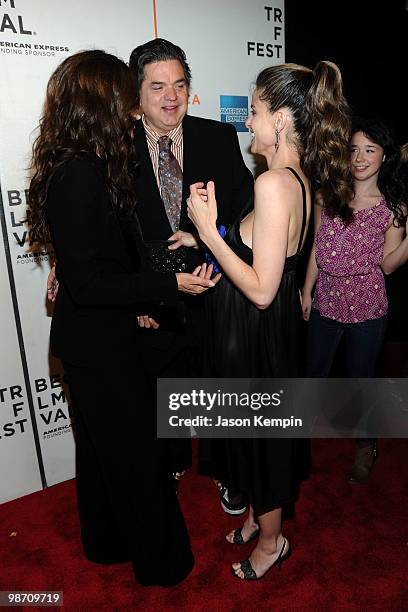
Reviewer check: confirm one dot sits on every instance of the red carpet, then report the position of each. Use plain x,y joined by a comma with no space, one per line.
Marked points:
350,547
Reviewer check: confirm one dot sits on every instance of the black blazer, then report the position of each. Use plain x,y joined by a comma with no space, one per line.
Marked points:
210,152
102,281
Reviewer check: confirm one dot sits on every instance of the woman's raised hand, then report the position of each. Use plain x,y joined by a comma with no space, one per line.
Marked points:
202,208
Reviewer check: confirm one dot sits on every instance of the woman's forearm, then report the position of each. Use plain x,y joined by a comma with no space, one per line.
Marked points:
312,273
243,276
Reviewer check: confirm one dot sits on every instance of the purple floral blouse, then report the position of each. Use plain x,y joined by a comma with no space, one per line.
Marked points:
350,286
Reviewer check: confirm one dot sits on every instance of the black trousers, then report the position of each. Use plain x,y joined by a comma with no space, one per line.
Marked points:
127,505
175,350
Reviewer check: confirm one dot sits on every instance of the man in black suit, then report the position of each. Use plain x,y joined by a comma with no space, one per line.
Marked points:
205,150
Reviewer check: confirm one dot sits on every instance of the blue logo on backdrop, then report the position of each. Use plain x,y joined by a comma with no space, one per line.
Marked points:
234,109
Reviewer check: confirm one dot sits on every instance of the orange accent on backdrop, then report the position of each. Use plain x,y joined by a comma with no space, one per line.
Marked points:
155,18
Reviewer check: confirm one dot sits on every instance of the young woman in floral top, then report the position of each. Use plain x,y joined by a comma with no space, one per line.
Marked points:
353,247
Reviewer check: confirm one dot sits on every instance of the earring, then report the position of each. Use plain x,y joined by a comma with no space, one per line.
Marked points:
277,134
383,158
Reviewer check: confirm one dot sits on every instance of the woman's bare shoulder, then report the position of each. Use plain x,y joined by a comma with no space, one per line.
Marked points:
278,178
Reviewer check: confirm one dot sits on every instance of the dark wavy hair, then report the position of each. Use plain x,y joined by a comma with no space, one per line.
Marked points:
322,125
392,178
156,50
88,106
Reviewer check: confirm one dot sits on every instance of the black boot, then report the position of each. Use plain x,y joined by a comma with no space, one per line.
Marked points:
366,454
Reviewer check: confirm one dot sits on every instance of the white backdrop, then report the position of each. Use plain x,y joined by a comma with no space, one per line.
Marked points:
226,43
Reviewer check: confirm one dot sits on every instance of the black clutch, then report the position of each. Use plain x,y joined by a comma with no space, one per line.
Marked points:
163,260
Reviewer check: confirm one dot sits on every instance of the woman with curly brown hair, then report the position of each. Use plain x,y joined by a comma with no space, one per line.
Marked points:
81,197
300,124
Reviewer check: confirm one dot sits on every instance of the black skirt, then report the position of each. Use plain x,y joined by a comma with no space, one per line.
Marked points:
244,341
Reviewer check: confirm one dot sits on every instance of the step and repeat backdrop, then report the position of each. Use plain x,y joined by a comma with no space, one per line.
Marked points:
227,44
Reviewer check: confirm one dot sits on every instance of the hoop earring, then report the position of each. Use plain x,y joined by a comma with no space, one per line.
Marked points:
277,134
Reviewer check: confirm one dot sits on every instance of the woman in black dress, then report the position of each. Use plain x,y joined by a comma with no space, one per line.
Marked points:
300,124
81,196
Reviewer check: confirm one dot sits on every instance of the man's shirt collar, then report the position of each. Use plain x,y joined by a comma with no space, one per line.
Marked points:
152,136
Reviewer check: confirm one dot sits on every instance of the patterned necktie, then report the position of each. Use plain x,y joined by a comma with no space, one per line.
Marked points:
171,182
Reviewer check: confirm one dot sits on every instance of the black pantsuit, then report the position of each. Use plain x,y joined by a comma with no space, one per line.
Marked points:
127,505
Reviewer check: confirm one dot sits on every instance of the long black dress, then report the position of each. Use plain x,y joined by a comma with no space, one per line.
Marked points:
247,342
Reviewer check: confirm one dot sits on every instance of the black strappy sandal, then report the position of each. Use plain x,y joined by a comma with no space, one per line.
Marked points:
238,539
249,572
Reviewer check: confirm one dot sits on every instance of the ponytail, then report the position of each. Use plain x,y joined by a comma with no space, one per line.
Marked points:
326,156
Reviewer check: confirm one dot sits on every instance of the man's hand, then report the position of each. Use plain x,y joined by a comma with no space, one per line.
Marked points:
197,282
206,271
52,285
147,322
183,239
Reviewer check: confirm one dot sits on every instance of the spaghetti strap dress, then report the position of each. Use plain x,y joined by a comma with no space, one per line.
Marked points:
244,341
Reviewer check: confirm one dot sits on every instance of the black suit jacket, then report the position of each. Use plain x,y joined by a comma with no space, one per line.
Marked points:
102,282
210,152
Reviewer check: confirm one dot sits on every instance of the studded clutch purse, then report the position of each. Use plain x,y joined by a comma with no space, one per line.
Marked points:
164,260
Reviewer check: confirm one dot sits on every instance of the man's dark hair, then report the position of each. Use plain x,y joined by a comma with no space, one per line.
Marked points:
157,50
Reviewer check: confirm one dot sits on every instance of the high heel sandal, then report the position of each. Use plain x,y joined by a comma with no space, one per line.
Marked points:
249,572
238,539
